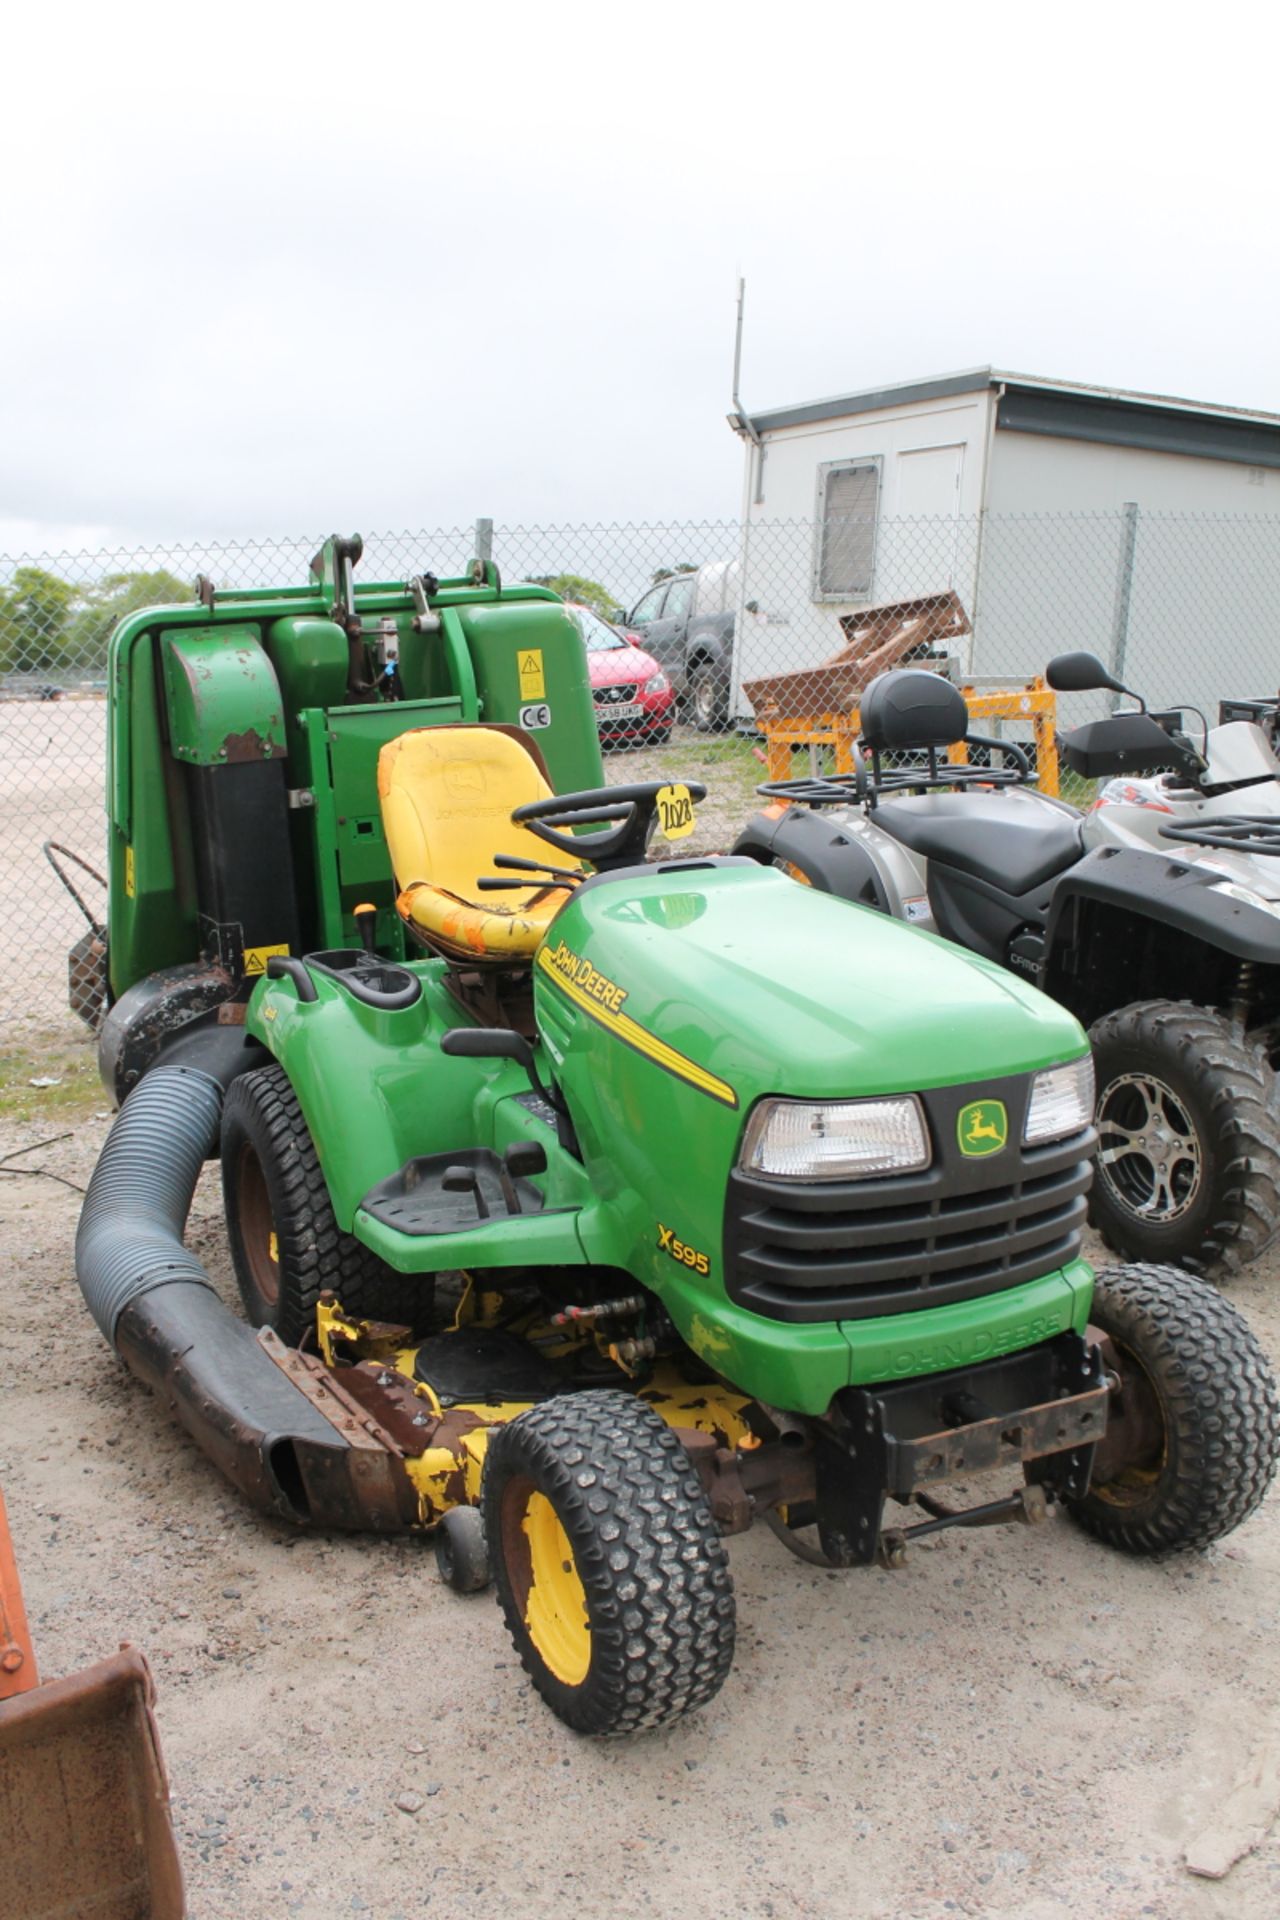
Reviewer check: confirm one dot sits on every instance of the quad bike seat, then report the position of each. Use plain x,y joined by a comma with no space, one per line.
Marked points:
1013,840
447,797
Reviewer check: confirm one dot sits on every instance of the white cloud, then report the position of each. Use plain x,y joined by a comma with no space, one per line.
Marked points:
279,267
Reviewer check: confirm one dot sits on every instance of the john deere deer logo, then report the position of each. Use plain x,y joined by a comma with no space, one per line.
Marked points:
982,1127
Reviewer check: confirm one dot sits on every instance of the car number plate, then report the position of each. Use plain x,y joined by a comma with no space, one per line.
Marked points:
625,710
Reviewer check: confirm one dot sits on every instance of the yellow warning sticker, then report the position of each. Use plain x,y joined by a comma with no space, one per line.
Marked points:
256,958
128,873
533,685
675,811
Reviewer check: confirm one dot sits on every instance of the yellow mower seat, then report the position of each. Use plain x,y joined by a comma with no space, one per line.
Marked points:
447,797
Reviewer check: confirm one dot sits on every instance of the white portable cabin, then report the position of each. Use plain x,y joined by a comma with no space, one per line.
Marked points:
1048,507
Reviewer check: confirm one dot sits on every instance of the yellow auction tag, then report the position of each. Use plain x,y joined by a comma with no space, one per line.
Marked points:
533,684
256,958
675,812
129,887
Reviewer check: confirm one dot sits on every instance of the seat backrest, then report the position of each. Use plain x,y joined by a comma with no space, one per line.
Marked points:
447,797
911,707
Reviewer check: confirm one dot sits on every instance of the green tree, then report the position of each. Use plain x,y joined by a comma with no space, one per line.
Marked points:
588,593
34,610
109,601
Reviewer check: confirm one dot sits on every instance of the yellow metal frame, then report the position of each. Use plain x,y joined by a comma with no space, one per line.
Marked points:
1035,702
448,1475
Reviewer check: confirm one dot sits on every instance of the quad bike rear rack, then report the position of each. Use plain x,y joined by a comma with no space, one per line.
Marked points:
867,784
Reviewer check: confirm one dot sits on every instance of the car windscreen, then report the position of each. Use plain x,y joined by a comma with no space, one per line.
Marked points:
597,633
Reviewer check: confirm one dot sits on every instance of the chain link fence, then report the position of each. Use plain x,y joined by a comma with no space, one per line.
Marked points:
760,636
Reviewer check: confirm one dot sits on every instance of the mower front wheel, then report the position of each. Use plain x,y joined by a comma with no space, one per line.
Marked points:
462,1553
286,1245
1193,1431
609,1567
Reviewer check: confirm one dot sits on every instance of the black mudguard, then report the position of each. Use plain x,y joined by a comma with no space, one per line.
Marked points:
1178,897
830,859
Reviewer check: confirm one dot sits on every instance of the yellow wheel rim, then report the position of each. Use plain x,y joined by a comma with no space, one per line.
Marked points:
555,1611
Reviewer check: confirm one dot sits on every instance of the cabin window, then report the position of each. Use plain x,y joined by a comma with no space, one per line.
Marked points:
845,544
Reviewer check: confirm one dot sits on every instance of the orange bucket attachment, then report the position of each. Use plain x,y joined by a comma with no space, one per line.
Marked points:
84,1802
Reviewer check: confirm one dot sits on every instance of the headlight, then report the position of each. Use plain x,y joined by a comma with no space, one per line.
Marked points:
1245,895
797,1140
658,684
1061,1102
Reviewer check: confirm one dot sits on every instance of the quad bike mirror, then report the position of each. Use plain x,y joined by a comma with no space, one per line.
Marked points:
631,810
1085,673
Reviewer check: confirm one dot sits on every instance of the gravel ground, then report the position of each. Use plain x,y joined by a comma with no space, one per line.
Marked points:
1019,1723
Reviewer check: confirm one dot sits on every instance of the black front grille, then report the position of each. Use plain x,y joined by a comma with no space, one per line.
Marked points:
847,1249
607,697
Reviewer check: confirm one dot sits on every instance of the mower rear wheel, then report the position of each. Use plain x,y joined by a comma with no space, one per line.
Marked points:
462,1553
609,1567
285,1243
1193,1433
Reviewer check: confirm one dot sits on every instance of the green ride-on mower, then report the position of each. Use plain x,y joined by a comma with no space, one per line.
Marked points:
581,1211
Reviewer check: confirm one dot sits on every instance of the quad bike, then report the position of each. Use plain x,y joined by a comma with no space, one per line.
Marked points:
1137,916
580,1213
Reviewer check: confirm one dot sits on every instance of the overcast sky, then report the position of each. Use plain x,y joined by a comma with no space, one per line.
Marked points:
275,269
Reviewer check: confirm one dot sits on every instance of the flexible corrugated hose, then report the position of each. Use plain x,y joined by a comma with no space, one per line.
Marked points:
129,1239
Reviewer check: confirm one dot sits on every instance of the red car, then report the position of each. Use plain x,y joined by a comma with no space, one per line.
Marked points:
634,701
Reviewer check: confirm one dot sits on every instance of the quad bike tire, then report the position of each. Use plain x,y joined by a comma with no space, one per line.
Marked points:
608,1565
709,698
285,1243
1216,1095
1194,1432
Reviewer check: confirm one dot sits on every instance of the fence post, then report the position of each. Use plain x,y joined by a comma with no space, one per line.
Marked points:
484,541
1124,594
975,598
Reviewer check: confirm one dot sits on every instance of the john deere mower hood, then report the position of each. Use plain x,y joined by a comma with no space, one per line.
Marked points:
751,977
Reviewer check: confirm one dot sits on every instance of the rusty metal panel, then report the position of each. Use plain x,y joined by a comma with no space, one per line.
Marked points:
1060,1426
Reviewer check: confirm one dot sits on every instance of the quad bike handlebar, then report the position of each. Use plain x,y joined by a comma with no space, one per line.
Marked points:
631,809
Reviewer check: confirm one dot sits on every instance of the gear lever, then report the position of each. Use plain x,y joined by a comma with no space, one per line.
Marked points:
366,919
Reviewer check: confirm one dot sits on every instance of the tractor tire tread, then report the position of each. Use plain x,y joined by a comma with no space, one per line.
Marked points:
1219,1400
1239,1090
650,1556
321,1257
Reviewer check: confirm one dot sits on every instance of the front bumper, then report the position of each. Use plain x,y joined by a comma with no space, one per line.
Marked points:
802,1366
1040,1412
659,713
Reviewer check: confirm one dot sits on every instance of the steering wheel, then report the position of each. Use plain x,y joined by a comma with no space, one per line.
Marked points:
631,809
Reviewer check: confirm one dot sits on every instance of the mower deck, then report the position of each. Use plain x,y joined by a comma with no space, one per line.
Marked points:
418,1416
